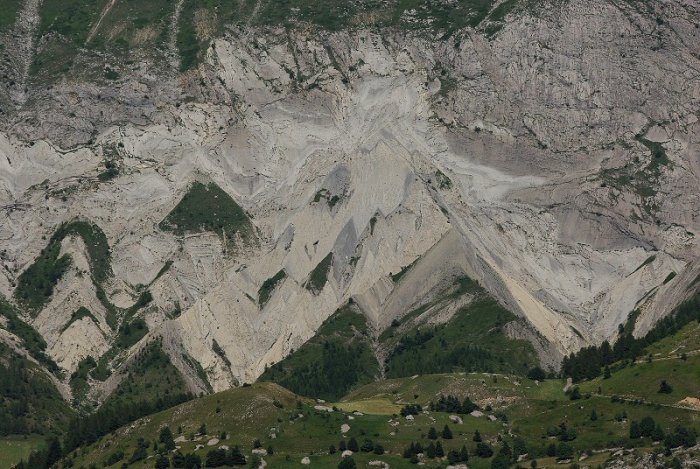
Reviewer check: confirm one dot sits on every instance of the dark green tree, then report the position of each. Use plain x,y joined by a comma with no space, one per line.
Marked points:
635,431
447,433
439,452
452,456
483,450
665,388
430,450
166,437
162,462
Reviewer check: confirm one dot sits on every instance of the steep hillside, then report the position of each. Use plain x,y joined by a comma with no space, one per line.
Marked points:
491,420
337,358
222,177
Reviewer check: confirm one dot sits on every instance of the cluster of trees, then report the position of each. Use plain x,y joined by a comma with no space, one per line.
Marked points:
325,369
411,409
33,342
563,432
453,405
588,362
561,451
443,359
368,446
646,428
88,429
27,398
411,342
434,449
681,436
445,434
222,457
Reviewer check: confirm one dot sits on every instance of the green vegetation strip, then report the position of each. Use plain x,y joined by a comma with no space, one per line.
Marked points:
319,275
337,358
208,208
268,286
36,283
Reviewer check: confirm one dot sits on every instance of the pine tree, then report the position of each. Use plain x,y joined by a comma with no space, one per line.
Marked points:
54,452
452,457
635,431
432,433
353,446
665,388
447,433
646,426
477,437
606,373
575,394
166,437
439,452
464,454
347,463
162,462
594,415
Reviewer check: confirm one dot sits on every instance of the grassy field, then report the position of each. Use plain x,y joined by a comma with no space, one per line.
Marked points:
15,448
524,413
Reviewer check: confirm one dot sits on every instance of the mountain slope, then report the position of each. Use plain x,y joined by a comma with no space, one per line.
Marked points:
372,154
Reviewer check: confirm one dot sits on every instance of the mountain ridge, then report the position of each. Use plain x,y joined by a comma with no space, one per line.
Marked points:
553,160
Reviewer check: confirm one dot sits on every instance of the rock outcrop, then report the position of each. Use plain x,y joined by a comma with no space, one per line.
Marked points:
556,162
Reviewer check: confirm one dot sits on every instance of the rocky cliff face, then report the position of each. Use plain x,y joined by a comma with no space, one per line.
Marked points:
556,160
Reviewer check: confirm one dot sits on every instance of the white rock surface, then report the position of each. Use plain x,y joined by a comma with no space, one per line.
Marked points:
528,126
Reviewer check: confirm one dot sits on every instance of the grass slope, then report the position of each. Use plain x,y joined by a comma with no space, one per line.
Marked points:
65,25
151,377
208,208
15,448
337,358
268,286
29,402
472,340
319,275
8,14
32,341
519,415
35,285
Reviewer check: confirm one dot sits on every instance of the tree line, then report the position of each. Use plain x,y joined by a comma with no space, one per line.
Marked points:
590,362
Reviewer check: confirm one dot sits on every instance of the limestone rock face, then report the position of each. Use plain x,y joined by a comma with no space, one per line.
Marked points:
525,160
